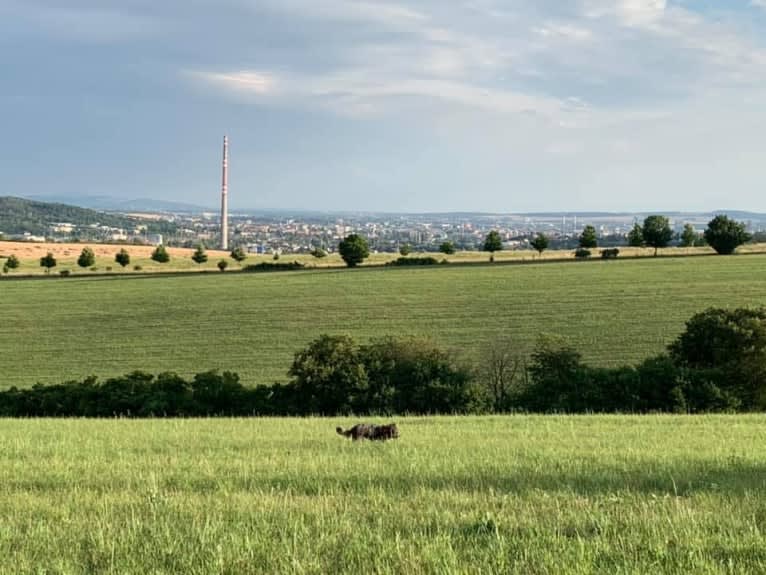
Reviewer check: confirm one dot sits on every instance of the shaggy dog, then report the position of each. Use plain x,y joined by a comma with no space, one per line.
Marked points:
370,431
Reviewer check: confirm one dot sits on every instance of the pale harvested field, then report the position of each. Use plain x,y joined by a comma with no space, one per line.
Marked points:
35,250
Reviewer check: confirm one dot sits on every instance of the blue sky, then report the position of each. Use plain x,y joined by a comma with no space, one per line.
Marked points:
480,105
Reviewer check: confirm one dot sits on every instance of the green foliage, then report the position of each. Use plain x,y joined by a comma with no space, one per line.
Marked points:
318,253
354,250
588,237
274,267
222,265
122,257
334,375
419,261
48,261
87,258
539,243
405,250
689,236
238,254
18,215
447,248
725,235
160,255
199,256
12,262
729,348
657,232
582,253
492,243
636,236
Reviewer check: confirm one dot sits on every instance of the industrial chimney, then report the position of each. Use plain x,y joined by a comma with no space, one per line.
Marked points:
225,196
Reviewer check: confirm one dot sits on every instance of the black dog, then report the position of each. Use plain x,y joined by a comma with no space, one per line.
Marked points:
370,431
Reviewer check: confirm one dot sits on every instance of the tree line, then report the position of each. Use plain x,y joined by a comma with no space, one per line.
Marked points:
717,364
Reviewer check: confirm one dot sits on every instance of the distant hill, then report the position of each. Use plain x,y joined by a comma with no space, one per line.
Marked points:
18,216
111,204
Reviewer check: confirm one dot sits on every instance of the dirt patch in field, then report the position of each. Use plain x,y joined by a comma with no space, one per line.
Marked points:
34,250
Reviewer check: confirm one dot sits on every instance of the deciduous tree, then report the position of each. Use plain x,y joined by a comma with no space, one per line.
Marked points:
122,257
48,262
657,232
354,250
588,237
492,244
540,243
160,255
725,235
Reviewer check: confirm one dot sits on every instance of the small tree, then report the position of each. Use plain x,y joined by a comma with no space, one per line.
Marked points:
353,250
122,257
636,236
688,236
48,262
657,232
405,250
12,262
318,253
588,237
87,258
160,255
492,244
725,235
540,243
199,256
447,248
222,265
238,254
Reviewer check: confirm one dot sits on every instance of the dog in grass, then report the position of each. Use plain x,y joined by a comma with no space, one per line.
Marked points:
370,431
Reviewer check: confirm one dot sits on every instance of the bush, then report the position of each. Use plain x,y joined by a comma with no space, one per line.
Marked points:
610,253
137,268
582,253
64,273
419,261
274,267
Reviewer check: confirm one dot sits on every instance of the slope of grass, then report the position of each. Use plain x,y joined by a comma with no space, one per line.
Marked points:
616,312
552,495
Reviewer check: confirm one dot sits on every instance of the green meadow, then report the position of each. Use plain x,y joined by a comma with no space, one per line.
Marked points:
54,329
513,494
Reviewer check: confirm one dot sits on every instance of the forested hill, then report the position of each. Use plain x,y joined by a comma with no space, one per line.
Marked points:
18,215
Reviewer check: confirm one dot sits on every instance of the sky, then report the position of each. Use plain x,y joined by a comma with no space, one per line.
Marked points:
408,106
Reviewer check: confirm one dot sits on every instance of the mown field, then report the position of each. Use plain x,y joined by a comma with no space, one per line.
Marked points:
616,312
557,495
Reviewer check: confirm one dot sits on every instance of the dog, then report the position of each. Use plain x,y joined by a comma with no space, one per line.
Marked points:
370,431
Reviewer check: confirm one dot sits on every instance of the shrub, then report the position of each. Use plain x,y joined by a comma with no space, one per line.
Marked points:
582,253
610,253
419,261
274,267
137,268
64,273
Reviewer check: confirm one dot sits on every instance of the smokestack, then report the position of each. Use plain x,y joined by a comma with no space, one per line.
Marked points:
225,196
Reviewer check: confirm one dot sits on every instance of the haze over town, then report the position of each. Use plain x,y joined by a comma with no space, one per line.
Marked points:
418,106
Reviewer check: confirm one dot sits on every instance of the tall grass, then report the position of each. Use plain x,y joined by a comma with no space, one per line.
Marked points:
492,495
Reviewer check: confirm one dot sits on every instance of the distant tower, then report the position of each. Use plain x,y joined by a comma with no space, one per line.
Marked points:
225,196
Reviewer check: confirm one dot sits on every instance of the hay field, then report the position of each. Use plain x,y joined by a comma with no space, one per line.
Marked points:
616,312
547,495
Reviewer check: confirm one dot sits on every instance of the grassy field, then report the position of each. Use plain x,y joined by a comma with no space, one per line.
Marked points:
665,494
615,312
